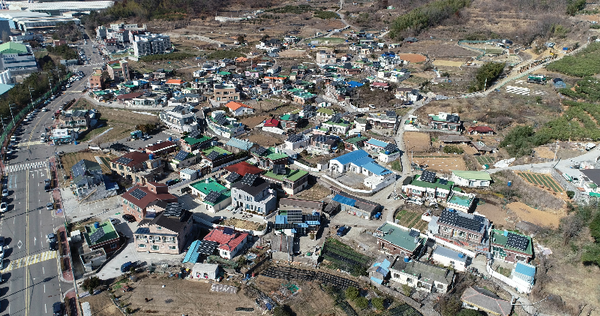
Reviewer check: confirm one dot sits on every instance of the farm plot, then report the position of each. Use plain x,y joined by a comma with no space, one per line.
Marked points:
415,141
444,164
543,180
486,160
289,273
411,220
343,257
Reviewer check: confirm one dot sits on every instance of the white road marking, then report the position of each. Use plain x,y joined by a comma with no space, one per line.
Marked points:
45,307
34,241
44,288
44,272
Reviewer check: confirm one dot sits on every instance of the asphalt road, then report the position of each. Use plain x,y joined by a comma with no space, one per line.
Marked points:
31,271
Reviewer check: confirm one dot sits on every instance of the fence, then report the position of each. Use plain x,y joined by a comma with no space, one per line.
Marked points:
17,117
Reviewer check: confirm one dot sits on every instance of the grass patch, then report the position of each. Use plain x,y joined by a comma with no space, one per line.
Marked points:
92,133
582,64
171,56
343,257
221,54
397,165
326,15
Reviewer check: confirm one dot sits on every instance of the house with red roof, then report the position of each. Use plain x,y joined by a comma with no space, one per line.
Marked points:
481,130
272,122
137,167
238,171
138,199
175,82
230,241
161,148
239,108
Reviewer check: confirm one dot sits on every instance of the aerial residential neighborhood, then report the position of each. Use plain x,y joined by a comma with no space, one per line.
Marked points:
376,157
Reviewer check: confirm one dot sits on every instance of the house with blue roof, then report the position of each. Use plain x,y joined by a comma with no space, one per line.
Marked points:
385,152
295,223
523,277
359,162
236,145
380,270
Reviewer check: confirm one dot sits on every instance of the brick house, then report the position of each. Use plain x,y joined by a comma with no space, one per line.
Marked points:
510,246
167,233
96,80
118,70
137,166
398,240
290,181
225,93
138,199
230,241
465,230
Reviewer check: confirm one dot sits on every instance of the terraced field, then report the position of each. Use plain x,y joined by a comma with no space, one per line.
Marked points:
411,220
544,180
485,160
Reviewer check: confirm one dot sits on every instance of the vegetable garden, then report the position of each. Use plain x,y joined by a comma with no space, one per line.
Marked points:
343,257
485,160
543,180
411,220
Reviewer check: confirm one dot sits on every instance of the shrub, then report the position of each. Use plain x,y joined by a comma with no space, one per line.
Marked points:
453,150
486,75
362,302
406,290
352,293
427,15
326,15
282,311
575,6
468,312
378,303
90,284
584,63
171,56
450,305
570,194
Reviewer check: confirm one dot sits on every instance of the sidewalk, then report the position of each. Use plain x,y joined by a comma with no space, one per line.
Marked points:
71,302
67,272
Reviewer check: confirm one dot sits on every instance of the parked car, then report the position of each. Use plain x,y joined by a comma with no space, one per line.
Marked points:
4,192
125,267
57,309
50,206
343,230
47,185
129,218
3,207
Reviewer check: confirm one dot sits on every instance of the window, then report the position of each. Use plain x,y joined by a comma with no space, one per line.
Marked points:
142,245
440,286
172,247
113,245
159,228
155,247
409,280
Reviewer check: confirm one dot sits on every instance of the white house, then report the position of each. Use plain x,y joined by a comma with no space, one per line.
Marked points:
524,277
471,179
421,276
205,271
450,258
239,108
212,195
359,162
385,152
296,141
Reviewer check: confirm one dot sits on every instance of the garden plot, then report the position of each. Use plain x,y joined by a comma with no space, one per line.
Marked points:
417,142
411,220
343,257
544,181
444,164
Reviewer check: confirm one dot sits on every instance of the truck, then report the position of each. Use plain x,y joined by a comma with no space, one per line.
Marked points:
590,146
539,79
342,230
137,134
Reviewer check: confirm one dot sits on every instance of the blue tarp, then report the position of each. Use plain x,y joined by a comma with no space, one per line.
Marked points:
344,200
281,219
193,254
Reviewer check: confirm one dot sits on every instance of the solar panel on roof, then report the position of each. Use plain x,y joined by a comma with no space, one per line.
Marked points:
212,197
97,235
207,247
249,179
428,176
414,233
124,160
228,231
294,138
390,113
138,194
213,155
391,147
443,181
517,241
233,177
260,150
181,155
279,169
194,134
294,216
173,209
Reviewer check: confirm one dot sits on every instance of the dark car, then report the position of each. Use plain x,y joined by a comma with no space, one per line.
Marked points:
125,267
129,218
47,185
342,230
57,309
172,182
50,206
53,245
2,241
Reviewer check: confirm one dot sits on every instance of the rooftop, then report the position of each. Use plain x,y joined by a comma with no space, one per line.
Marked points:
500,237
242,168
291,175
208,185
437,184
219,150
109,233
472,175
13,48
425,272
195,140
460,199
400,236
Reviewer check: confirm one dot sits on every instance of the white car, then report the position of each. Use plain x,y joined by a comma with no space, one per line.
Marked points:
3,207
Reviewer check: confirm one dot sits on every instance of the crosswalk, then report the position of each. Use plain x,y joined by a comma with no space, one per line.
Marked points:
32,143
24,166
29,260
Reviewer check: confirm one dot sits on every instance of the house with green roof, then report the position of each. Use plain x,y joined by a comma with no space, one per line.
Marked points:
354,143
216,156
268,157
18,58
211,195
471,179
101,236
291,182
430,187
511,246
340,126
325,114
398,240
461,201
194,142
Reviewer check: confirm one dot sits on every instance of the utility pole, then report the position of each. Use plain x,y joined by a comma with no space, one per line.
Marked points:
50,82
2,120
30,95
11,113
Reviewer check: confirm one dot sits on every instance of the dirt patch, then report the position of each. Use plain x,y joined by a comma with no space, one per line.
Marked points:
413,58
448,63
252,121
316,193
444,164
494,213
309,300
265,139
101,305
418,142
239,223
544,152
538,217
176,297
293,53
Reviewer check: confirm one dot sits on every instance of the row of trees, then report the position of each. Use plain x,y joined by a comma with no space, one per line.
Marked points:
426,16
486,75
584,63
64,51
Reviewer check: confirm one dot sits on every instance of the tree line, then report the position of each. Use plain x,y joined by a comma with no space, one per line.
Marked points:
425,16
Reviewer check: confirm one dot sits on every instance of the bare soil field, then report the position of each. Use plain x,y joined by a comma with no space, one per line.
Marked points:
418,142
544,152
309,300
444,164
293,53
265,139
122,122
314,193
435,49
175,297
252,121
101,305
413,58
448,63
538,217
495,214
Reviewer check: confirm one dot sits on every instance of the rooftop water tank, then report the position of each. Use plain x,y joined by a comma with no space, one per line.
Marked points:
406,259
96,225
151,156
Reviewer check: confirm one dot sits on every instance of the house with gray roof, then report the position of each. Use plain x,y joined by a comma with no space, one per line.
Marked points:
398,240
426,186
471,179
421,276
469,231
486,301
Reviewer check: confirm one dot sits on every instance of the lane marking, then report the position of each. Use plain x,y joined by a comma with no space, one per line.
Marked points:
30,260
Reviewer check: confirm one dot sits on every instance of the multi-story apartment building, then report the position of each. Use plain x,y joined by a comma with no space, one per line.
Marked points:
118,70
254,195
225,93
167,232
180,119
151,44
